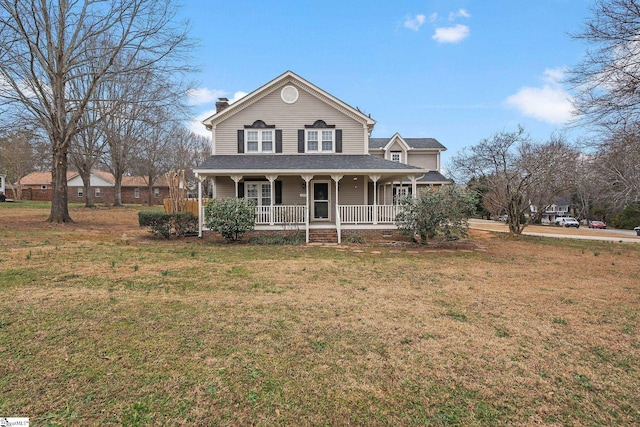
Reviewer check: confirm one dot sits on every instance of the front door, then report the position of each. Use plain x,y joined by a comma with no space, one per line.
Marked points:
321,201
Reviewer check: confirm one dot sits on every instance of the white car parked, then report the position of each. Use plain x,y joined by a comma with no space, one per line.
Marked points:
567,221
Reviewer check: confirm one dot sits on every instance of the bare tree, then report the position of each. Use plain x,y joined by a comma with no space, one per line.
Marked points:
606,83
17,158
46,47
516,171
151,159
618,165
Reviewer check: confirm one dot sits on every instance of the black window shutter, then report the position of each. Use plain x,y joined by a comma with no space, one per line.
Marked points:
278,185
300,140
338,140
240,141
278,140
241,190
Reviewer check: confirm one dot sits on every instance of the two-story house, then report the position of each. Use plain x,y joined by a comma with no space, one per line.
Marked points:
306,158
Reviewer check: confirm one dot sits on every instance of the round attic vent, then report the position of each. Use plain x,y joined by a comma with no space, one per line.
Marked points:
289,94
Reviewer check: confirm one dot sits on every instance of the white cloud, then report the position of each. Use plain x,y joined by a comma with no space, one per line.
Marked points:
237,96
461,13
433,17
204,95
549,103
451,34
414,23
196,125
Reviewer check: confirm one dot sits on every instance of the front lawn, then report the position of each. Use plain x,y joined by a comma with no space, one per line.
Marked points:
101,324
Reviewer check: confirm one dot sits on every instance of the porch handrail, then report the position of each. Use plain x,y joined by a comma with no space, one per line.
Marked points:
364,214
282,214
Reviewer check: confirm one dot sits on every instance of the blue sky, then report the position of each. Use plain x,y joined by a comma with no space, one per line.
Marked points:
457,71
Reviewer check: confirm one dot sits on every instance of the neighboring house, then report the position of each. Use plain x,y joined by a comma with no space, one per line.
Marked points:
558,209
306,158
3,178
37,186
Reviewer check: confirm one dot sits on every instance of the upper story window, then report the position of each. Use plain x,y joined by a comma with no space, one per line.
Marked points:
259,137
259,141
320,138
396,156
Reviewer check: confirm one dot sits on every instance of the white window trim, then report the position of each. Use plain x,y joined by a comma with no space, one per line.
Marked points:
80,192
156,192
401,191
260,142
320,130
97,193
260,184
399,153
136,193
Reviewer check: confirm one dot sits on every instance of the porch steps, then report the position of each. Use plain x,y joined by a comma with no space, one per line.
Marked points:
323,235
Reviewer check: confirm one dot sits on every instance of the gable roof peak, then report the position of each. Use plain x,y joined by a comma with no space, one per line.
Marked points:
282,79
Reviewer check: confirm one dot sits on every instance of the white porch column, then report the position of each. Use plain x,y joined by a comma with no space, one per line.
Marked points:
200,213
375,179
414,186
271,179
307,180
337,179
236,179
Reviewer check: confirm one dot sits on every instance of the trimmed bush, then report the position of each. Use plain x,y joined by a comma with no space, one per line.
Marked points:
440,213
167,224
231,217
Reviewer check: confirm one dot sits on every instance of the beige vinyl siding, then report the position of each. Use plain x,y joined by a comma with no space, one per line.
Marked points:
289,117
225,187
352,192
292,189
396,146
427,161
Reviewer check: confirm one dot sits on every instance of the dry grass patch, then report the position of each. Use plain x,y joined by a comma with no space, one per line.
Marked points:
99,329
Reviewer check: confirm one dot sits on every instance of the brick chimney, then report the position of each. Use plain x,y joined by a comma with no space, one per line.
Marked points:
222,104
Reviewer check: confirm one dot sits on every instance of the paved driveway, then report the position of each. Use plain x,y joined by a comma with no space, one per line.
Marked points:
585,233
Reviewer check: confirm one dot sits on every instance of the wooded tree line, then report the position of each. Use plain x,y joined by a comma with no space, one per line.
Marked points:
153,151
599,176
95,82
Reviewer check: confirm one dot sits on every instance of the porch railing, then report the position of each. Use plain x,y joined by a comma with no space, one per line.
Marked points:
366,214
348,214
282,214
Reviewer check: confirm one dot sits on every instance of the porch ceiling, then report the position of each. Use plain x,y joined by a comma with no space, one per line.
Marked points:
315,164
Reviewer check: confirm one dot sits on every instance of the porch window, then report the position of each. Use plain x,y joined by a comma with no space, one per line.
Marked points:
259,192
259,141
400,191
320,140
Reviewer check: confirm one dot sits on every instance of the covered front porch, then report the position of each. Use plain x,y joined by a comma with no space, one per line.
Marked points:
322,208
351,192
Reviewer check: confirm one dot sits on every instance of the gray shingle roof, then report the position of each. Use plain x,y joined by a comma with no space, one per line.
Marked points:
433,177
378,143
310,162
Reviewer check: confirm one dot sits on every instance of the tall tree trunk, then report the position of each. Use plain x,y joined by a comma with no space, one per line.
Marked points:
59,200
86,183
149,193
117,201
